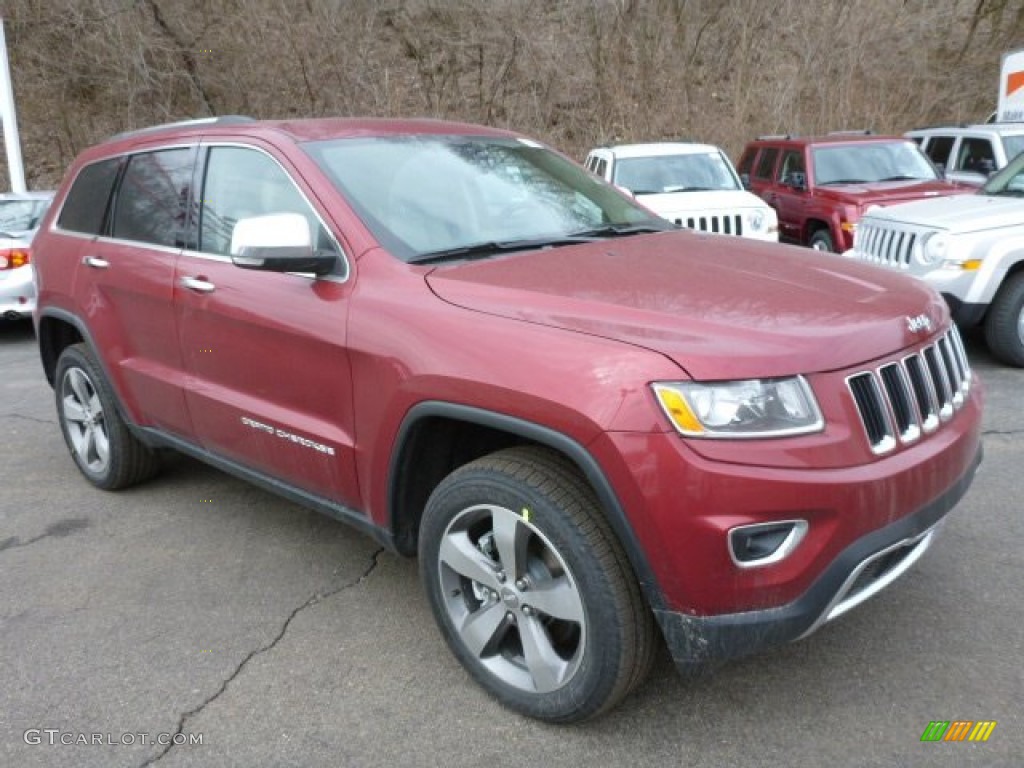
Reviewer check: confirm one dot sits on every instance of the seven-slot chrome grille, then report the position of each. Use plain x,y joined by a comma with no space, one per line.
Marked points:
902,399
724,224
885,244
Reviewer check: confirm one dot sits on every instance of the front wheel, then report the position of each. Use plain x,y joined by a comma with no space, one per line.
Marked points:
821,240
530,587
1004,323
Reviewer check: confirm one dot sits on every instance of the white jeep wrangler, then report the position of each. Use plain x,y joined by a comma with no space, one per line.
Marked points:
968,247
692,185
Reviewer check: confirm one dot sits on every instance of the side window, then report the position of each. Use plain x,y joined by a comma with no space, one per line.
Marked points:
86,203
766,163
938,149
602,168
976,156
152,199
240,183
746,162
791,169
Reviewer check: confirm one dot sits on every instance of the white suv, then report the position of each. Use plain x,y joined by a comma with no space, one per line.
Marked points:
693,185
968,247
969,154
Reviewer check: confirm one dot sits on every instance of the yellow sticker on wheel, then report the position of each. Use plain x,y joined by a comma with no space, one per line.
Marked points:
526,514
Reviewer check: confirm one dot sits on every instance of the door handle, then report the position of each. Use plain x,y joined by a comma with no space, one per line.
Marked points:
95,262
197,284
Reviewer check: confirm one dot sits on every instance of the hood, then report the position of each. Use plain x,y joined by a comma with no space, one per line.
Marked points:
675,204
743,310
965,213
888,192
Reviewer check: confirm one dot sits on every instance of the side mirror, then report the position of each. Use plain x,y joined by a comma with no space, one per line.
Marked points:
277,242
745,180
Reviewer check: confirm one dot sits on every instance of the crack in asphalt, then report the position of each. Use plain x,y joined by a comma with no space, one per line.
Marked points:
23,417
317,597
1003,432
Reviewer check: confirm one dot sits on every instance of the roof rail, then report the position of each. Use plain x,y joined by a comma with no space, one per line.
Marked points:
222,120
854,132
777,136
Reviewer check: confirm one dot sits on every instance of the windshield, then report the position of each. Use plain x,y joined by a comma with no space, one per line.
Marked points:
1013,145
675,173
21,215
423,195
870,162
1009,181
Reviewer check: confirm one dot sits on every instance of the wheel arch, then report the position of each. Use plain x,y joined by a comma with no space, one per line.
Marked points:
437,437
57,330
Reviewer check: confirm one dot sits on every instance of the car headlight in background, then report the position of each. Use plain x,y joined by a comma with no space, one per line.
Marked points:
740,409
762,220
934,248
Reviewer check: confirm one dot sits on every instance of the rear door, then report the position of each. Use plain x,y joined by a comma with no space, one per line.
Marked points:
125,284
269,376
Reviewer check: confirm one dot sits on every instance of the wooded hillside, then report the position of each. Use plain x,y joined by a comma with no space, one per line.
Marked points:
574,73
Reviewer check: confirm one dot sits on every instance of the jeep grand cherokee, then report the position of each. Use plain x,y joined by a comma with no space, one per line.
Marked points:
588,424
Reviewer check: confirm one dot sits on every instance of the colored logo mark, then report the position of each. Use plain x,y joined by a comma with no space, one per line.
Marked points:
1014,82
958,730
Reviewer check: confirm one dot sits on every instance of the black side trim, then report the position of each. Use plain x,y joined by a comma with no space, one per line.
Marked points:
357,520
695,640
965,315
614,512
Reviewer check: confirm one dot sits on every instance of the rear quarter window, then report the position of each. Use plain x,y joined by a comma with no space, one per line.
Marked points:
86,204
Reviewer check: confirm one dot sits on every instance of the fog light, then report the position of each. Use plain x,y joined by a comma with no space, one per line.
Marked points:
751,546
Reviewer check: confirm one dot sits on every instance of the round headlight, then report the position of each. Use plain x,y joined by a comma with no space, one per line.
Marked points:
756,219
933,249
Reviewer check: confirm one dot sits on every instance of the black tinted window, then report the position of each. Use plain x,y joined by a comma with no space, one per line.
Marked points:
976,156
86,203
938,149
153,198
766,163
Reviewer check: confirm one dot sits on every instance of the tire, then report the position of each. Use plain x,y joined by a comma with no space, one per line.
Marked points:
1004,323
531,589
100,443
821,240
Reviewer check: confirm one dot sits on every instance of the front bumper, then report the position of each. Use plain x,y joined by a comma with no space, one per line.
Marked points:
862,569
17,293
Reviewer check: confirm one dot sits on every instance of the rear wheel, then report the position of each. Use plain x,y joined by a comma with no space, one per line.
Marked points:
530,587
1004,323
104,449
821,240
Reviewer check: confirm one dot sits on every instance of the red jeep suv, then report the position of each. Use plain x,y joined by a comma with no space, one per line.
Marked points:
586,423
821,186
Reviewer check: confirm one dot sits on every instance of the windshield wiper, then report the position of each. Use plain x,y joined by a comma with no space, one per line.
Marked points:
622,230
491,247
684,188
904,178
842,181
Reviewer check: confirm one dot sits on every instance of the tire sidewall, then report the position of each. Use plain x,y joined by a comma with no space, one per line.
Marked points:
824,237
598,669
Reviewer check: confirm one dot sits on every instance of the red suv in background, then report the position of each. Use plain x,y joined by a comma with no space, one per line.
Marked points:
587,423
821,186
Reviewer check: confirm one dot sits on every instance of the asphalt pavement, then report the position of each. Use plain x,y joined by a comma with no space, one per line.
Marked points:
198,605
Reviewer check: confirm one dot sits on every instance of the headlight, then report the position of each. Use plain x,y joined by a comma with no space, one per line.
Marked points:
756,220
741,409
934,248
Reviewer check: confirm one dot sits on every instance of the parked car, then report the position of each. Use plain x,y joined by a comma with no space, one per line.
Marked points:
969,154
586,422
20,214
691,185
821,186
971,249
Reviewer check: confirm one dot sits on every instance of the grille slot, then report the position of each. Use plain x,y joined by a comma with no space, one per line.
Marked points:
904,398
724,224
885,244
